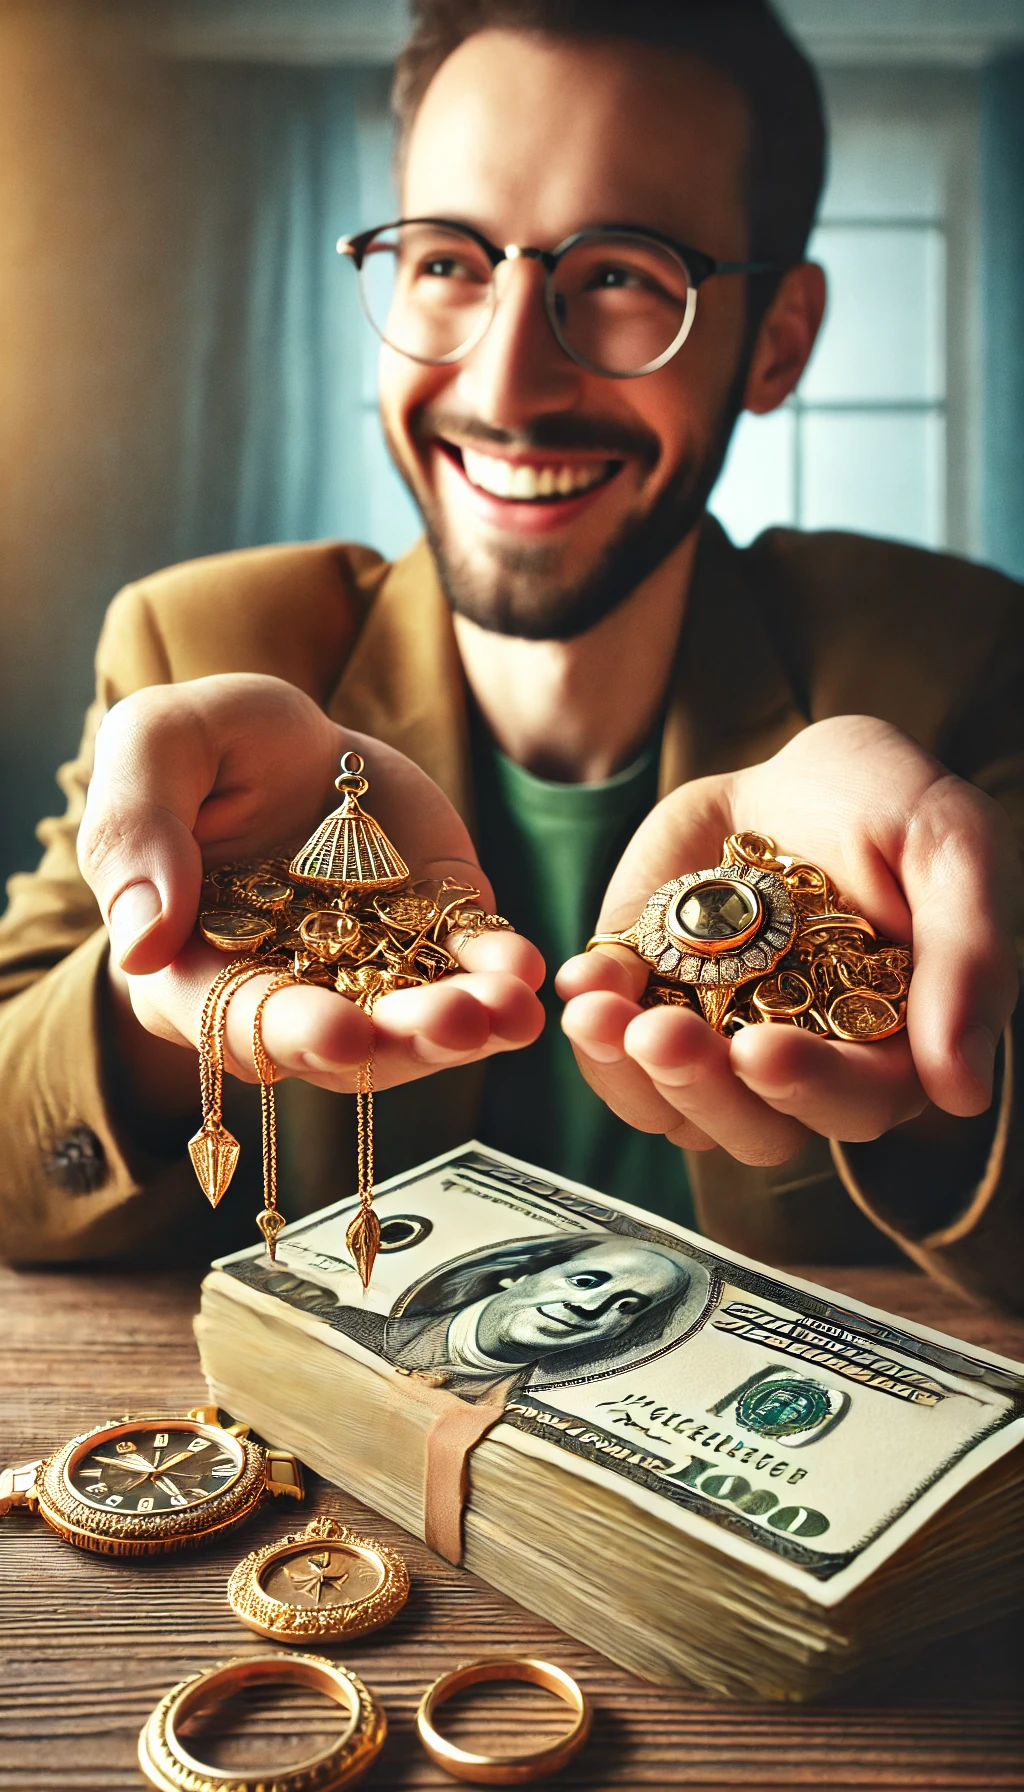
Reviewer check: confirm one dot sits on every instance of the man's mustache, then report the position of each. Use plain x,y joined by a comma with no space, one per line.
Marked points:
571,433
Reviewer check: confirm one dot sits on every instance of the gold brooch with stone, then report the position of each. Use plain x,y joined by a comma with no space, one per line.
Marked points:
764,936
344,914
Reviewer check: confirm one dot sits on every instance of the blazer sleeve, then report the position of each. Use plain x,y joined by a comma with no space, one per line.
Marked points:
946,1192
67,1187
73,1186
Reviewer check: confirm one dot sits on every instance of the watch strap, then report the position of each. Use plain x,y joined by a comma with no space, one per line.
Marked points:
18,1486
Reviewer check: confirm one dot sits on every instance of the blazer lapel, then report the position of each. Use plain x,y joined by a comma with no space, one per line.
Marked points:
403,682
731,702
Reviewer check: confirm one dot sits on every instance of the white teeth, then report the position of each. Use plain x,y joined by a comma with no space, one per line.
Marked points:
519,480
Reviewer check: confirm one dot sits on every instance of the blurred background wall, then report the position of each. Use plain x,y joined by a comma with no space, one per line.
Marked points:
183,367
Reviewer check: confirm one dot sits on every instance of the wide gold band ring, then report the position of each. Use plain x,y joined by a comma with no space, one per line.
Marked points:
168,1765
504,1770
766,937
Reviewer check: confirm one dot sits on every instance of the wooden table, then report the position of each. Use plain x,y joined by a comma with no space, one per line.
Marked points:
87,1646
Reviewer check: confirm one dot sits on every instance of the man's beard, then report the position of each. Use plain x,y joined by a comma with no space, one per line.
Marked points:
521,593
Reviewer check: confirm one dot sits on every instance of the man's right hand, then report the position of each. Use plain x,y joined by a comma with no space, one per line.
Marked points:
242,767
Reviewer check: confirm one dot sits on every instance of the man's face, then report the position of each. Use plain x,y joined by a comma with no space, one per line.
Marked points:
529,139
590,1299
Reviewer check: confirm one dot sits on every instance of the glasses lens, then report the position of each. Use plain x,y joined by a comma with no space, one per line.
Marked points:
427,290
620,304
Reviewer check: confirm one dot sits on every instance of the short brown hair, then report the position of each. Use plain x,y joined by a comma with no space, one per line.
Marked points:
742,38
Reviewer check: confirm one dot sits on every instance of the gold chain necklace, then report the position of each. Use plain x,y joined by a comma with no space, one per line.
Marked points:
343,914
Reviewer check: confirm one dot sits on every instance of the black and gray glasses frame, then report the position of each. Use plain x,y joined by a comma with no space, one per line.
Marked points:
696,265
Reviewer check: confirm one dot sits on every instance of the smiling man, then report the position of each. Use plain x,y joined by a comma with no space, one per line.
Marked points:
599,262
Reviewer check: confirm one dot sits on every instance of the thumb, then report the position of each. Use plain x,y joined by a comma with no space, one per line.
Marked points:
136,846
683,833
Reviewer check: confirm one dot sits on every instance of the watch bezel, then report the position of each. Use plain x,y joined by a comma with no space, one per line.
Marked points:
107,1532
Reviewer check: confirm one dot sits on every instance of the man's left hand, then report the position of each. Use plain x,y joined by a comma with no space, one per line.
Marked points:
923,855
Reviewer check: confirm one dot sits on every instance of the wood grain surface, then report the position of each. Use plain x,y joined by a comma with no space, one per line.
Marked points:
87,1646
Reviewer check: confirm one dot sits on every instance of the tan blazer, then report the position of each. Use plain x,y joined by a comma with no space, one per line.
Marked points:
790,630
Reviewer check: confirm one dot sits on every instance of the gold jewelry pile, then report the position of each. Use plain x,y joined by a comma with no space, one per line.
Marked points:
764,936
343,914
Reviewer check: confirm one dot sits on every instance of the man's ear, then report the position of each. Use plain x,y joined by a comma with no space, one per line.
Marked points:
789,330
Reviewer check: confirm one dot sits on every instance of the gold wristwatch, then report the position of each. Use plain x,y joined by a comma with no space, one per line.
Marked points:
149,1483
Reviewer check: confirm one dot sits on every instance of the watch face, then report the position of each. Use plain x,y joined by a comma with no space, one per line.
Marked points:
153,1467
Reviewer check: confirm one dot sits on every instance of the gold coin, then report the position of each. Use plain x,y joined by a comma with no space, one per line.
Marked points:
228,929
409,912
860,1015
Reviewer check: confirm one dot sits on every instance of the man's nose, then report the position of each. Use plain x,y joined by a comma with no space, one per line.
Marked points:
597,1306
518,370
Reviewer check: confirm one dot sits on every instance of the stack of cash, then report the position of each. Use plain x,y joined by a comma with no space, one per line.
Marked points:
706,1469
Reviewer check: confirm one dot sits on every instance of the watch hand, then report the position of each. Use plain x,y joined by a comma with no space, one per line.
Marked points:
126,1461
168,1486
182,1456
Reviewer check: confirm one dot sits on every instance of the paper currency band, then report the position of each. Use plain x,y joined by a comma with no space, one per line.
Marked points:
454,1434
504,1770
167,1765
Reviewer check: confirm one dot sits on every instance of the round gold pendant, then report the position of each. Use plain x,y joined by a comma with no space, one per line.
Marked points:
319,1585
765,937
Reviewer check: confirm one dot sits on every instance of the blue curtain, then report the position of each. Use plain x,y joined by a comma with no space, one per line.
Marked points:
186,368
1002,170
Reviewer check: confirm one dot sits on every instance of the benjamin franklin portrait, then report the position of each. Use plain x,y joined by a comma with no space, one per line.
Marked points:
538,1313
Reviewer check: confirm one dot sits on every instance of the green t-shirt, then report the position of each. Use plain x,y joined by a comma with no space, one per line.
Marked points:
549,850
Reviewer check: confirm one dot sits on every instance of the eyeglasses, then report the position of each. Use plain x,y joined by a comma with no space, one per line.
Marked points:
621,301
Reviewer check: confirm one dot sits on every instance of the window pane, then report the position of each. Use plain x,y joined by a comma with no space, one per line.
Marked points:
883,168
885,325
756,487
879,475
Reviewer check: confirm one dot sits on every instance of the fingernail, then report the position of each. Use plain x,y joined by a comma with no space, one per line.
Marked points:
978,1052
673,1076
134,914
602,1054
760,1084
327,1066
429,1053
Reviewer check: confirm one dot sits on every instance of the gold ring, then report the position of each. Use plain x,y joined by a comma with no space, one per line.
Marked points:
319,1585
168,1765
504,1770
469,923
764,937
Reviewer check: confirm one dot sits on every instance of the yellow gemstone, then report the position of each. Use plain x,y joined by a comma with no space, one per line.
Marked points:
715,913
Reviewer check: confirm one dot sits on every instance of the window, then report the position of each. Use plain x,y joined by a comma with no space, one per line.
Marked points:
878,437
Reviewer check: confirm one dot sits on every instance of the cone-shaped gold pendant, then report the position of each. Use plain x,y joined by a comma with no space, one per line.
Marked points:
350,851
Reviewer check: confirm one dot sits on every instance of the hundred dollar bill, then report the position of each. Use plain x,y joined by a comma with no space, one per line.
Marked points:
792,1428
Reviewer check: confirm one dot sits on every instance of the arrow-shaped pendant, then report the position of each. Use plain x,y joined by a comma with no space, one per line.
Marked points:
214,1152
